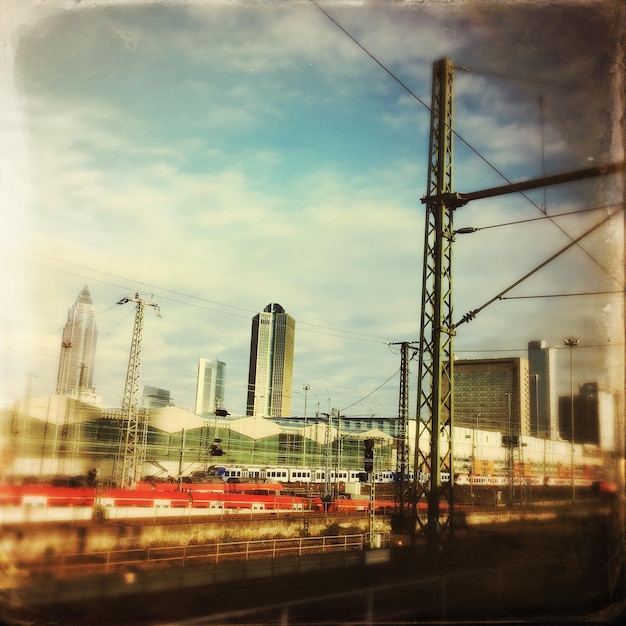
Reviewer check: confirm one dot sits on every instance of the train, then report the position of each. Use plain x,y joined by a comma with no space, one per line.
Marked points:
288,475
251,497
46,502
503,481
597,486
232,473
236,489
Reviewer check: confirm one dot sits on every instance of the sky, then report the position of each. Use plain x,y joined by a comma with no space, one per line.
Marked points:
216,157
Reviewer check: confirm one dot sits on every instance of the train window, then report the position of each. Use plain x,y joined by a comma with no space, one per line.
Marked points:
35,501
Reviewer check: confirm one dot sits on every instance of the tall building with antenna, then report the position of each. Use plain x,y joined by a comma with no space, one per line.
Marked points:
210,386
270,374
78,349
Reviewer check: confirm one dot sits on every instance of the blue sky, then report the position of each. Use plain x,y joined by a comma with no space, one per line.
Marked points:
225,155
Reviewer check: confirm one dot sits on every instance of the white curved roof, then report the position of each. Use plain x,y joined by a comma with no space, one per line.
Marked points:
255,427
171,419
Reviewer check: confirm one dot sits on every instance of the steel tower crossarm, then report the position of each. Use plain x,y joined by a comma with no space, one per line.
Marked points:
132,452
433,446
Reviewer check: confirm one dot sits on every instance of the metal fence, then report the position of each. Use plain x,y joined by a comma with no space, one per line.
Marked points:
110,561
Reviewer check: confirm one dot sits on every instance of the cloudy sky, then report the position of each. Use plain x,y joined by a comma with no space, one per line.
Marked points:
220,156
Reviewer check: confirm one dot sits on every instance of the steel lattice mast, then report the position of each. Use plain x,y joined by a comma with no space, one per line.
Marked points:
133,440
402,438
433,446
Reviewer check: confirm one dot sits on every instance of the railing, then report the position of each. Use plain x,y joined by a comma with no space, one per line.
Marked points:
107,562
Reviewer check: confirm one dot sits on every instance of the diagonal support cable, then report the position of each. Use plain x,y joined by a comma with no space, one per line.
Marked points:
472,314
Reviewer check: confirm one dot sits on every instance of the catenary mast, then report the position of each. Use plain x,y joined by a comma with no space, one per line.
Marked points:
433,446
132,451
403,445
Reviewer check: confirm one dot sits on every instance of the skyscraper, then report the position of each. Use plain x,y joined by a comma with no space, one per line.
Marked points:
271,363
542,388
210,386
78,348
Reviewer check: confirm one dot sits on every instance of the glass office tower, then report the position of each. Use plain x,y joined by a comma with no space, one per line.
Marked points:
271,363
210,386
78,348
543,398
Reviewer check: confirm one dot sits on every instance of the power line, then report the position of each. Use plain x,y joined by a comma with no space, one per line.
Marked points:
371,392
371,56
543,217
516,77
345,334
454,132
550,217
472,314
136,282
563,295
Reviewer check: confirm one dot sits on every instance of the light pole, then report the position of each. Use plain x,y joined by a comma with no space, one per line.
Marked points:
473,467
509,448
535,427
571,342
306,391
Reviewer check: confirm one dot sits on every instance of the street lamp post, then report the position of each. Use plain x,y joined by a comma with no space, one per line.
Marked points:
535,427
473,467
509,449
571,342
306,391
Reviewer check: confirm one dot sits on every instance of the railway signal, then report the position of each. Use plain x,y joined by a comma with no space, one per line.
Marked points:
368,455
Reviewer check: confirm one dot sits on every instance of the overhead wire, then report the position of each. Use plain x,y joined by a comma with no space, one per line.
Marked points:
316,328
563,295
156,289
517,77
472,314
544,217
455,133
372,392
555,215
542,209
408,90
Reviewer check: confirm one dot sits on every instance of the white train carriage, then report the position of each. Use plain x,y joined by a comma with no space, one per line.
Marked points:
384,477
231,474
253,473
355,476
277,474
299,475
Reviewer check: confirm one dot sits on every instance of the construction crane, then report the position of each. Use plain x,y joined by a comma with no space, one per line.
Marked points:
134,432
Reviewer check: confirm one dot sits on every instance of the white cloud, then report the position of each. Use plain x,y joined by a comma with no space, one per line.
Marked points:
248,159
